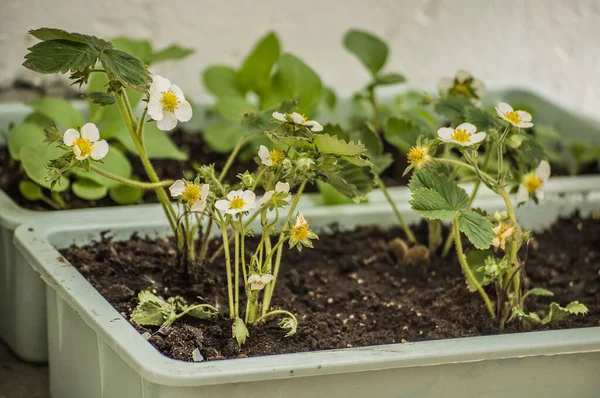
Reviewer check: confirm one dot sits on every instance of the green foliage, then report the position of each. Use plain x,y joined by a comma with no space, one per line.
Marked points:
171,53
30,190
369,49
477,228
60,56
351,180
125,195
453,108
332,196
254,74
221,81
293,79
388,79
555,313
233,108
23,135
88,189
126,69
58,110
114,162
402,133
240,331
102,98
328,144
222,135
34,159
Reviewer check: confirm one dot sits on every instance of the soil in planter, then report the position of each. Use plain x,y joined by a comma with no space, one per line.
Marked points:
348,291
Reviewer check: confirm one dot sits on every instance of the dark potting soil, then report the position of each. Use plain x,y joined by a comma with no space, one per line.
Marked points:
348,291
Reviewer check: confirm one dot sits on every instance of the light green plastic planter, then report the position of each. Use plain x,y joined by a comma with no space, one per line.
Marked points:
96,353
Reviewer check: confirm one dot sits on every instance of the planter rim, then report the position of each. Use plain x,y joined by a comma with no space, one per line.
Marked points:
33,242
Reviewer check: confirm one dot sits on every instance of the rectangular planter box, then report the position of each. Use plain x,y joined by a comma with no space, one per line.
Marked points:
23,329
90,339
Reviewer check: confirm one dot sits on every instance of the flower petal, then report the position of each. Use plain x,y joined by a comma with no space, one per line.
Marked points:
204,191
266,278
478,87
89,131
77,153
178,92
70,136
99,149
297,118
543,170
462,76
249,197
253,278
263,154
468,127
315,126
445,133
232,194
222,205
282,187
198,206
155,109
503,107
168,122
159,84
478,137
522,194
266,197
444,85
525,116
177,188
279,116
183,112
525,125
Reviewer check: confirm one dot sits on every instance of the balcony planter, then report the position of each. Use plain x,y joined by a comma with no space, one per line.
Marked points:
21,288
119,362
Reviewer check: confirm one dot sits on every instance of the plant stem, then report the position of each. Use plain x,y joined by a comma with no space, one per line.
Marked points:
467,270
273,313
269,289
231,158
228,269
219,251
405,227
127,181
237,270
514,248
376,112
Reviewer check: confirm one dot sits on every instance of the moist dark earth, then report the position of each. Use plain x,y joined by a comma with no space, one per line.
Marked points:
348,291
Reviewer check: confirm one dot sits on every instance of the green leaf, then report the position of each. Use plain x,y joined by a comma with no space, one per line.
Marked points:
369,49
240,331
39,119
125,68
88,189
477,228
222,135
59,34
453,108
353,181
151,309
293,79
30,190
476,260
201,312
125,195
24,135
538,291
221,81
329,98
388,79
456,197
159,145
171,53
557,313
480,118
234,108
256,69
332,196
402,133
60,56
332,145
430,204
141,49
114,162
34,159
59,110
102,98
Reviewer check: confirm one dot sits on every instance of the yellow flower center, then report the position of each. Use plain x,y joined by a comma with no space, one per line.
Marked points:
461,135
191,193
300,232
513,117
276,157
237,203
169,101
461,89
533,183
84,145
501,228
416,155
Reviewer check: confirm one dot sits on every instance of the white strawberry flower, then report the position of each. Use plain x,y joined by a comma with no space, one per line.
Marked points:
167,104
532,183
464,135
87,143
258,282
282,190
298,120
237,202
463,85
520,119
192,194
270,158
502,231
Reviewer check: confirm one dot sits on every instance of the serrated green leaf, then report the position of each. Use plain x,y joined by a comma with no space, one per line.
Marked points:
453,108
388,79
59,110
200,312
125,68
102,98
331,196
430,204
402,133
456,197
369,49
114,162
171,53
151,309
293,79
327,144
221,81
125,195
30,190
353,181
59,34
141,49
538,291
480,118
88,189
381,162
240,331
477,228
60,56
222,135
335,130
234,108
557,313
24,135
34,159
256,69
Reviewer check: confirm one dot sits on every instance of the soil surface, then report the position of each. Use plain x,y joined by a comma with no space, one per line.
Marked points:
348,291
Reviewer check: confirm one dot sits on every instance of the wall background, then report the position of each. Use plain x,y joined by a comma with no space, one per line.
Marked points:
551,43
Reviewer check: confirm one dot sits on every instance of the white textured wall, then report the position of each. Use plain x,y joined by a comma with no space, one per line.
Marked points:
553,43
